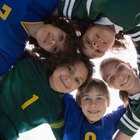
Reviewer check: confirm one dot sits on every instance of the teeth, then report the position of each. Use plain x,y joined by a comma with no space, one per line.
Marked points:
63,81
125,81
95,112
102,41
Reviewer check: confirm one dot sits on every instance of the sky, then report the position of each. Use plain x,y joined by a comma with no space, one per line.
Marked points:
43,132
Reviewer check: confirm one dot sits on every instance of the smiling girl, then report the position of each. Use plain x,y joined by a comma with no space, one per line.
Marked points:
32,91
120,75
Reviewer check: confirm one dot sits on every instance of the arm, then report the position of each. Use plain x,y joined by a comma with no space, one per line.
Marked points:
121,136
79,9
135,36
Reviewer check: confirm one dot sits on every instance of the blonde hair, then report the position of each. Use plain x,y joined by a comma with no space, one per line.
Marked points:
93,83
106,62
123,94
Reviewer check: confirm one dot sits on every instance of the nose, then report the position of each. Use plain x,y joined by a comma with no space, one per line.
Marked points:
95,45
53,41
67,81
120,76
92,104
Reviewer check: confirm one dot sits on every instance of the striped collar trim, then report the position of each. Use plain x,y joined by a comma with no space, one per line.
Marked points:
106,21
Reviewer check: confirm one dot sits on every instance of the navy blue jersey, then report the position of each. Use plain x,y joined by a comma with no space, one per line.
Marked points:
77,126
12,33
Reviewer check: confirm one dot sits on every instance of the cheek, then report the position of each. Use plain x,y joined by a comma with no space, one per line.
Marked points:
55,75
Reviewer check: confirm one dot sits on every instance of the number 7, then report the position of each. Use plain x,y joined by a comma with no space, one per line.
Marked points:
6,12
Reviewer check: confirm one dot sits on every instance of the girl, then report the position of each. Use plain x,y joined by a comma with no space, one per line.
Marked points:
31,93
20,19
110,17
120,75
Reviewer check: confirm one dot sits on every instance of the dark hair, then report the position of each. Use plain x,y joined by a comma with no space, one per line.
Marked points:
124,96
50,62
118,44
93,83
68,26
71,59
119,37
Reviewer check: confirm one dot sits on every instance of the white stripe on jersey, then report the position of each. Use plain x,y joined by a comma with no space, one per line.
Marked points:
67,11
129,124
135,117
135,34
88,4
70,8
136,39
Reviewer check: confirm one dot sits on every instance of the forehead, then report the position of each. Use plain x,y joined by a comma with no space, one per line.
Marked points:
80,67
108,68
94,92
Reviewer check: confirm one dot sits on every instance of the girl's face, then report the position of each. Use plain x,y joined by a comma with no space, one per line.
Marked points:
119,75
51,38
94,104
68,78
97,40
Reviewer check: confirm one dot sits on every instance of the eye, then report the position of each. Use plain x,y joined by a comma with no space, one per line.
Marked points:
112,79
86,98
69,68
100,98
62,37
120,68
77,81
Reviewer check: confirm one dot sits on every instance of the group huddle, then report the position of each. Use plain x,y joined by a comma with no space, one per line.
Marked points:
63,37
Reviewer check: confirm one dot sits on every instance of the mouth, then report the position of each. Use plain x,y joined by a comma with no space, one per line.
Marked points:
62,78
46,37
100,39
93,112
125,80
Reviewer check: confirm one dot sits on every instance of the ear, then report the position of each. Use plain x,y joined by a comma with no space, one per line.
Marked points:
128,64
108,104
108,100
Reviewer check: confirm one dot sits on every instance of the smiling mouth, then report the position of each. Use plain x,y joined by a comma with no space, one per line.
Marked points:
63,82
94,112
125,81
46,38
101,40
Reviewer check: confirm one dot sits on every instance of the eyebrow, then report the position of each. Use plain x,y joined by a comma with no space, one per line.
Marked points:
87,95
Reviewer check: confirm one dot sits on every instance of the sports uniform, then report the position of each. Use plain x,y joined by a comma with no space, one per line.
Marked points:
26,101
125,14
12,34
78,128
130,122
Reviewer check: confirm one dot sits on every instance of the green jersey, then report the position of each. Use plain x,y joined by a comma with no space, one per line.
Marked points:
130,122
26,101
124,13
